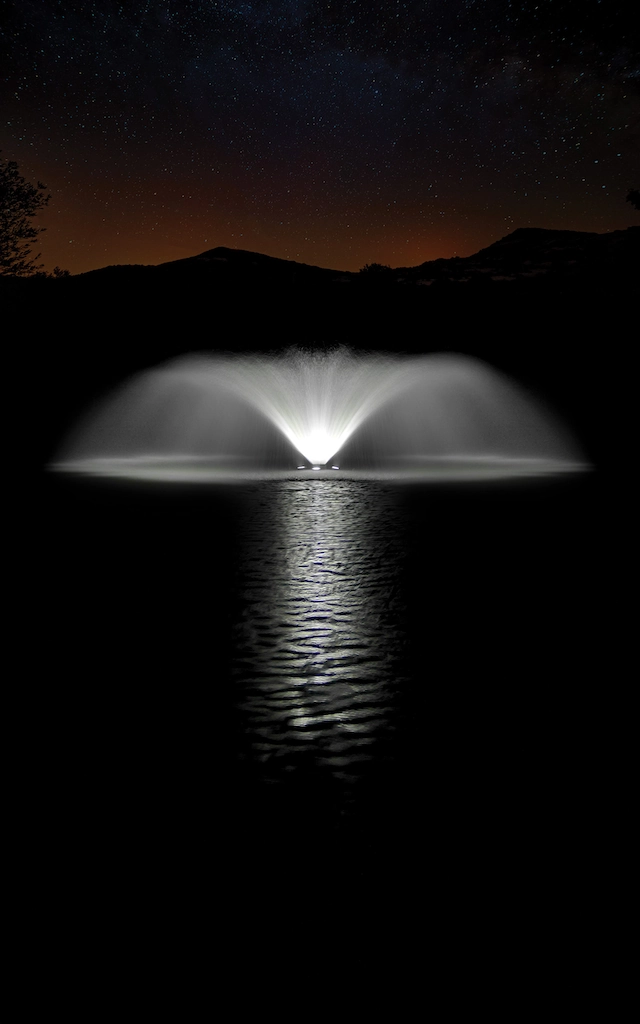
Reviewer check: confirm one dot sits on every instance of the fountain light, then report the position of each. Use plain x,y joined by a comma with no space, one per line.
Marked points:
224,417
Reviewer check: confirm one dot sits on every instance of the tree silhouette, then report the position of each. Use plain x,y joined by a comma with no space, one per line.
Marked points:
634,197
19,203
375,268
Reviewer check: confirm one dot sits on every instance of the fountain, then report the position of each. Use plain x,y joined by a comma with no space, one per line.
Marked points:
228,417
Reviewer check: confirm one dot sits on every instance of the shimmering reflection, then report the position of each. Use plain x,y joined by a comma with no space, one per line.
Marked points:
319,645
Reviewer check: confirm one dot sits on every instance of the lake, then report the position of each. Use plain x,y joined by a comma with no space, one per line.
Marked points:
323,700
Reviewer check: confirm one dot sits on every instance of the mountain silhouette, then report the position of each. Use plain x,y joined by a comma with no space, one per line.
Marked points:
224,260
530,252
519,256
528,256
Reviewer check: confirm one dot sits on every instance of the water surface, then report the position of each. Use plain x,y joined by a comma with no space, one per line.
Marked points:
310,675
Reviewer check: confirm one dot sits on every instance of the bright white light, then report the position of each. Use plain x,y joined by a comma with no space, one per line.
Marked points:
316,399
318,445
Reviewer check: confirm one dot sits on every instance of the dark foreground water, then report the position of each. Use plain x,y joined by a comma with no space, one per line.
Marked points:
322,715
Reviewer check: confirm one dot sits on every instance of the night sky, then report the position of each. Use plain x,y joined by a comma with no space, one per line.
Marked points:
335,133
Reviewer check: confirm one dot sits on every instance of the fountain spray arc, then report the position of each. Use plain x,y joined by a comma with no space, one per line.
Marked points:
227,417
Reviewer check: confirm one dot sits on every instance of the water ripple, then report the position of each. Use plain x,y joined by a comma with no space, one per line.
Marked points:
319,643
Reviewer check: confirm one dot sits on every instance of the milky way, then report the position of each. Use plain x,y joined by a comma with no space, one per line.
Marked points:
331,133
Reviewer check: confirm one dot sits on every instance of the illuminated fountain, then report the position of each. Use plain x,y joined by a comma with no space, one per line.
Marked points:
227,417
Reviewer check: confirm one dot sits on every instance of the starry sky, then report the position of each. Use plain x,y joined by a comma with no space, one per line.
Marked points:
335,133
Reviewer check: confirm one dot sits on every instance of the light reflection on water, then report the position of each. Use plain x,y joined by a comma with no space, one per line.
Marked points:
319,643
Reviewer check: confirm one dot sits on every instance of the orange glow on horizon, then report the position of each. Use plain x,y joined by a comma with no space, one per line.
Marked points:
95,226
